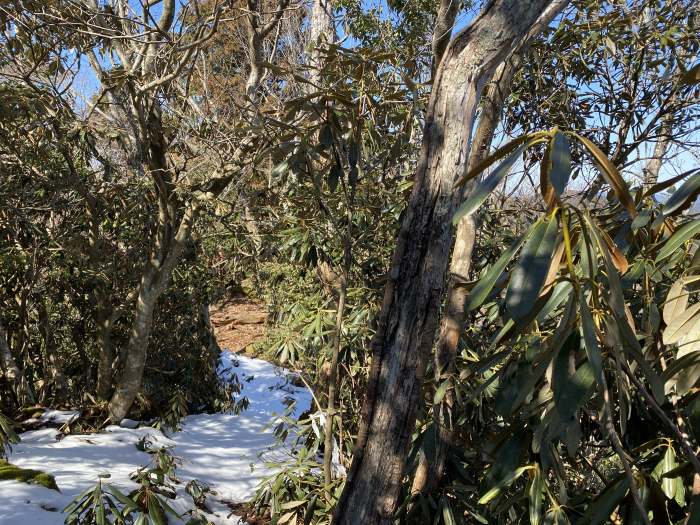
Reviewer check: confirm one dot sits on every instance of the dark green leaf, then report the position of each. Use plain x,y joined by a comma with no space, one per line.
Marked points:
681,235
483,287
531,271
484,188
683,196
561,163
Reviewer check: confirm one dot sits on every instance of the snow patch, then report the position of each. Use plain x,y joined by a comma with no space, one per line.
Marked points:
224,451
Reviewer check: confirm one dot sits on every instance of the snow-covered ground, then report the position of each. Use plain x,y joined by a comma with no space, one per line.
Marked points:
221,450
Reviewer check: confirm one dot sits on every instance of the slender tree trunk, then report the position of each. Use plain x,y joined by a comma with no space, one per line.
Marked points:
653,166
430,470
23,391
333,384
333,379
321,31
106,359
413,295
56,386
442,32
153,283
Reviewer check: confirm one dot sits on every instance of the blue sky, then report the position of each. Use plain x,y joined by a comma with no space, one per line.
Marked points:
86,83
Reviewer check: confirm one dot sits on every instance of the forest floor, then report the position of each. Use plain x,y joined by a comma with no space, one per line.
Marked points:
225,451
238,323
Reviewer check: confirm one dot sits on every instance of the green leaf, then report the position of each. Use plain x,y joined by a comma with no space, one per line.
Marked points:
325,136
673,488
441,391
292,504
561,163
484,188
556,516
561,292
483,287
334,176
611,175
685,324
681,235
676,301
590,340
683,196
505,482
531,271
514,389
535,496
575,393
600,509
280,169
447,515
501,152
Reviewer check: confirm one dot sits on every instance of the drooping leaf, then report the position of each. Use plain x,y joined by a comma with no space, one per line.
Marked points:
334,175
325,135
590,340
441,391
484,188
545,184
661,186
529,275
280,169
562,291
535,496
676,301
483,287
514,389
575,393
600,509
681,235
680,365
561,163
611,175
673,488
556,516
683,196
688,323
499,154
505,482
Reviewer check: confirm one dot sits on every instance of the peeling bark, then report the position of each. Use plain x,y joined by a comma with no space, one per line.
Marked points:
413,295
429,472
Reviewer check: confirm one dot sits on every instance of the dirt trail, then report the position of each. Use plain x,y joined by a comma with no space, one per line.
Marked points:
238,323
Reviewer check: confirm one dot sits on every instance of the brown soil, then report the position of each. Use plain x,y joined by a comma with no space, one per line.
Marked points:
238,323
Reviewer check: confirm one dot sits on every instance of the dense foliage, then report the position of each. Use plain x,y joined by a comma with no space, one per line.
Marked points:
216,151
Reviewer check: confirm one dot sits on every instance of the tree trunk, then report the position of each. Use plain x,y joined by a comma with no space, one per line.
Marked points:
321,31
430,470
106,359
333,379
24,394
444,23
333,384
413,295
653,166
153,283
56,388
